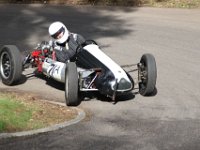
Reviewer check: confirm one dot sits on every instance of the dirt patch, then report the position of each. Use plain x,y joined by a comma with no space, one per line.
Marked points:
44,112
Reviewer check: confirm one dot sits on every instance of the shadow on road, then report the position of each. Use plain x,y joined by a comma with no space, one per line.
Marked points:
86,96
26,25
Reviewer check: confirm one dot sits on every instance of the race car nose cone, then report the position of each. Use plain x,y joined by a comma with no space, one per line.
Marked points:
124,85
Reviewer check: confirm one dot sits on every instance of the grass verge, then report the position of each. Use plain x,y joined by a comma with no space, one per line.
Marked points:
22,112
13,114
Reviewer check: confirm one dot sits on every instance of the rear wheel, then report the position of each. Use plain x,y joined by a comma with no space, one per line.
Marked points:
10,64
147,74
71,85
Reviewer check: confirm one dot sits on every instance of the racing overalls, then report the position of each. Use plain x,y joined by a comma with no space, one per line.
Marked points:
66,51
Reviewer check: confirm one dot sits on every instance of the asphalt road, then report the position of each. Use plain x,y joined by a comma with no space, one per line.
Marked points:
166,121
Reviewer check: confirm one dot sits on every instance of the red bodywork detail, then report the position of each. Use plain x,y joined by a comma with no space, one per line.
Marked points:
39,56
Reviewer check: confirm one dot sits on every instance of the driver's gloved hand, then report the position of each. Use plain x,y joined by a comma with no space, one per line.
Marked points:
51,45
57,47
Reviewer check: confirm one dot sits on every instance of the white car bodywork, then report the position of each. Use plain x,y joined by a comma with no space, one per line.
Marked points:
56,70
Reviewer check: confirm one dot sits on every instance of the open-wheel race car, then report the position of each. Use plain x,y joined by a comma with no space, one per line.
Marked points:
90,70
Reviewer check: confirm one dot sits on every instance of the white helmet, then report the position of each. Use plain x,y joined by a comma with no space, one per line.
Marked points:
55,29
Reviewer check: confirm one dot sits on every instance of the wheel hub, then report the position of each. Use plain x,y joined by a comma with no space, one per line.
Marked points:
5,65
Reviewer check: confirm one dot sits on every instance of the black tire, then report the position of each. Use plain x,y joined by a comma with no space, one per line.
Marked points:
71,85
10,64
148,73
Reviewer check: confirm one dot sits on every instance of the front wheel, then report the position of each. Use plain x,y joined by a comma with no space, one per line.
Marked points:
71,85
10,64
147,74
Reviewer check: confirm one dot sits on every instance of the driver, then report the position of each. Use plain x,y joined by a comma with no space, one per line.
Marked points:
65,43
